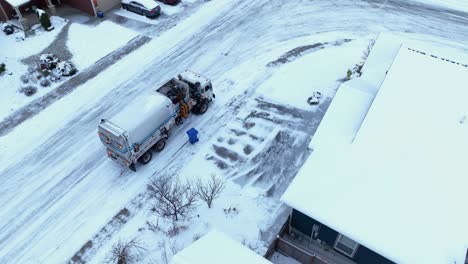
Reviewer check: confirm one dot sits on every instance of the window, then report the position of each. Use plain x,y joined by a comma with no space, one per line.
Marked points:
346,245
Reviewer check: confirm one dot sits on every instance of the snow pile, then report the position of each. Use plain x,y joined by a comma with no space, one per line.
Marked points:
402,172
214,248
89,44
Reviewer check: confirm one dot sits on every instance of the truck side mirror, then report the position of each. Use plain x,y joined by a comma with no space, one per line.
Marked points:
136,147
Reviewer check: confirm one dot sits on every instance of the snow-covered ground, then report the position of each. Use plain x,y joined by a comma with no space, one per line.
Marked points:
11,53
251,135
90,43
86,43
279,258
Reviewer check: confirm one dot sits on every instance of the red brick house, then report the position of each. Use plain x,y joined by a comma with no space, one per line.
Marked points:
10,9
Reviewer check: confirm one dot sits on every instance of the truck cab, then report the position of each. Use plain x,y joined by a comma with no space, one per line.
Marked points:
189,88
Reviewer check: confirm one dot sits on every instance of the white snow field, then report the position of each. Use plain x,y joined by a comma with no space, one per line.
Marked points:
59,191
90,43
403,167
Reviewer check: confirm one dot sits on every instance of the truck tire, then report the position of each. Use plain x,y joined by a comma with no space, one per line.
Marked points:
159,146
146,157
203,108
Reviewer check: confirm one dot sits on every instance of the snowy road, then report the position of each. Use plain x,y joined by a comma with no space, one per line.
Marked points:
55,195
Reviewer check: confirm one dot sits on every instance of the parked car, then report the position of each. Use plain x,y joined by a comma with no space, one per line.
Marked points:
146,8
169,2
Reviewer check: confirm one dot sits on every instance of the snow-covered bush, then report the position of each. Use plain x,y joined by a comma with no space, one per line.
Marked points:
65,68
28,90
44,82
8,29
209,190
20,36
48,61
231,211
24,78
125,252
171,198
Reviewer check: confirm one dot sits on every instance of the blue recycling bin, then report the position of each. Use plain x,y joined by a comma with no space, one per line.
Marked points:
192,135
100,14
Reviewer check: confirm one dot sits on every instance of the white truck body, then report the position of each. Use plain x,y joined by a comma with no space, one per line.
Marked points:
144,124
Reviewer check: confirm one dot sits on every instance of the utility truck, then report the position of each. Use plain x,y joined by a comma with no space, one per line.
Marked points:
143,125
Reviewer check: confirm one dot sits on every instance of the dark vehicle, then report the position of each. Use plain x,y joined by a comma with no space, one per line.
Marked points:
146,8
169,2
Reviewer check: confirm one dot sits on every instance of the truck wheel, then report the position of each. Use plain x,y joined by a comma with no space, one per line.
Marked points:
159,146
146,157
203,108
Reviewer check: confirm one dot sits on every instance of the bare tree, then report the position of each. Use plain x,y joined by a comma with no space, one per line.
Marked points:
125,252
171,197
210,190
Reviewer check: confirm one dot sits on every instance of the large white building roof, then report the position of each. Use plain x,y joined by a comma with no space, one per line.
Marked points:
215,248
400,188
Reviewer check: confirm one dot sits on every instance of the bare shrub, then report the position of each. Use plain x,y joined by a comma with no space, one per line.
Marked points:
153,227
24,78
125,252
231,211
210,190
171,198
28,90
196,237
44,83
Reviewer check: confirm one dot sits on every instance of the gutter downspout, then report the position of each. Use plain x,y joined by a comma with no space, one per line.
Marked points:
94,7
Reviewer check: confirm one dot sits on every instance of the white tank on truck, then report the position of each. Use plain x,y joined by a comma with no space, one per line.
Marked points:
143,125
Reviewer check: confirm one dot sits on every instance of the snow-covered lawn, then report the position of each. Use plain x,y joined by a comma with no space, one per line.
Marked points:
40,40
321,71
90,43
86,43
11,53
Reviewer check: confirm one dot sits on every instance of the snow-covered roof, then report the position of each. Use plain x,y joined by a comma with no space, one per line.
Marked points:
17,3
344,115
194,77
215,248
400,187
380,59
